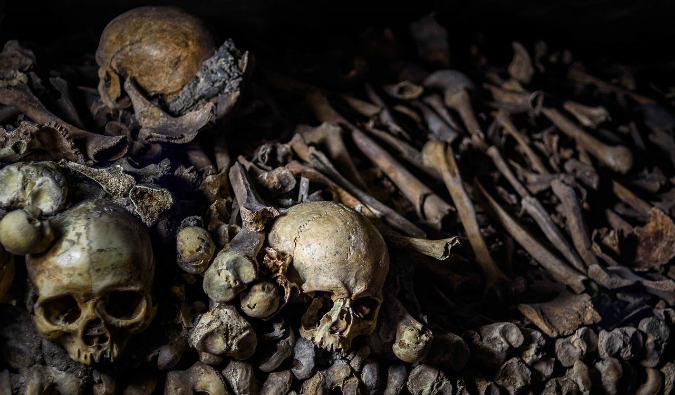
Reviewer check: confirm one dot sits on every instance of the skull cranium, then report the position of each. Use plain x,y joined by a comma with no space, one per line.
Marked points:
341,260
161,48
94,282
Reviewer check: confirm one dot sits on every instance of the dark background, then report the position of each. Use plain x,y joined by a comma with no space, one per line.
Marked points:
637,30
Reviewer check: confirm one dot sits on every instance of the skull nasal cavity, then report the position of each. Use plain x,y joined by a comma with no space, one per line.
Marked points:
95,333
343,322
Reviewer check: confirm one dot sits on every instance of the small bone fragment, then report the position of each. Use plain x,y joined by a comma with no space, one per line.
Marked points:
577,74
239,375
404,90
277,181
581,375
277,383
413,340
557,268
96,146
535,161
113,179
655,241
339,377
576,347
39,184
537,212
618,158
427,380
485,387
170,354
514,376
575,221
328,138
404,151
533,353
158,126
563,315
561,386
7,270
22,232
668,371
624,343
198,379
610,373
284,339
195,248
590,117
517,101
384,116
440,156
627,196
304,359
429,206
437,249
652,384
42,379
222,331
254,213
657,336
370,376
150,202
261,300
435,124
234,267
338,194
388,215
447,350
494,343
397,376
521,68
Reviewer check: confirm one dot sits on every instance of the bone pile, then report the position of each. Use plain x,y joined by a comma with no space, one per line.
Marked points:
372,219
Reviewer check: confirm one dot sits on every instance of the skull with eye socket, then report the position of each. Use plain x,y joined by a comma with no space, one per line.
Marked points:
341,261
94,282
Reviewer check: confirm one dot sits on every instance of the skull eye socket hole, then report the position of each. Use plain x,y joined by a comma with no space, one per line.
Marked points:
62,310
124,305
365,308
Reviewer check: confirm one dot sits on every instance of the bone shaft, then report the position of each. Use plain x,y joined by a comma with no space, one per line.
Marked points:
248,242
617,158
335,146
534,159
437,249
546,259
575,221
534,208
628,197
405,151
440,155
422,197
318,160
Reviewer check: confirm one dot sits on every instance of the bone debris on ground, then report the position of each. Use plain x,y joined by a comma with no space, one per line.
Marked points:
576,347
563,315
514,376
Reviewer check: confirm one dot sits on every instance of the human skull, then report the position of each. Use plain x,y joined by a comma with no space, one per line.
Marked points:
341,260
161,48
94,282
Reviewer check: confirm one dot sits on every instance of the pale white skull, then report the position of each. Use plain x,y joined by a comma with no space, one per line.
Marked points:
341,260
94,282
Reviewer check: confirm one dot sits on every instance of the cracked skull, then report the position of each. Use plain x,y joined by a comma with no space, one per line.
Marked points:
341,260
94,282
